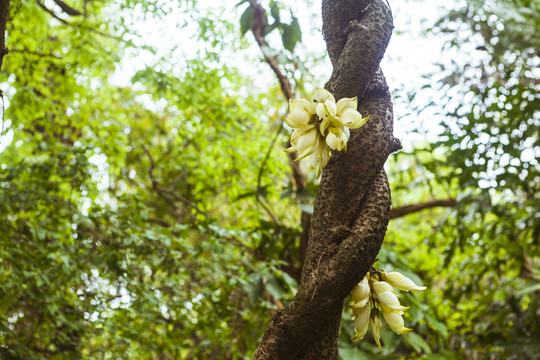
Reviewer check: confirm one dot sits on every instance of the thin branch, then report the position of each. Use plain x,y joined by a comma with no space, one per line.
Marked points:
41,5
117,38
259,31
4,15
36,53
67,9
167,191
261,170
409,209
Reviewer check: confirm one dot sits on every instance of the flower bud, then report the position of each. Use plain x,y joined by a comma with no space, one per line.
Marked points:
389,300
375,325
400,281
361,322
396,323
382,286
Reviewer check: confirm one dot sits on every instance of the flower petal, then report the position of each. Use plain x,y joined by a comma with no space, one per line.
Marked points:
396,323
307,144
375,325
324,125
400,281
390,300
361,290
332,141
301,104
298,132
382,286
330,107
298,117
321,95
290,150
321,111
353,119
346,103
361,322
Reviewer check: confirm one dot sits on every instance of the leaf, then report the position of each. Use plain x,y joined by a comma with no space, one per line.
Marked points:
417,343
306,208
274,287
246,20
291,34
528,288
274,11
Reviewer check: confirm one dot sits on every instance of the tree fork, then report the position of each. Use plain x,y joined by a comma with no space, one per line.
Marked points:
353,203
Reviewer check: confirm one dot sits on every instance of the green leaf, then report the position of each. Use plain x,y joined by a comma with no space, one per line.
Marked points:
417,342
306,208
291,34
246,20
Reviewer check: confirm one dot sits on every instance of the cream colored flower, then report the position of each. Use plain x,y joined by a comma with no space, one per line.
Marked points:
333,121
361,321
375,325
337,119
360,293
382,286
320,157
396,323
400,281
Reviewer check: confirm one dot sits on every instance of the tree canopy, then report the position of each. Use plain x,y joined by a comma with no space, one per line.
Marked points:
147,210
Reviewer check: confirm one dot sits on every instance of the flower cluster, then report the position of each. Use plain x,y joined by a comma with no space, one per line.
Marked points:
322,125
375,294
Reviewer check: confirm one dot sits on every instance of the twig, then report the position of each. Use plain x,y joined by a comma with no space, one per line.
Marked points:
67,9
165,191
36,53
4,14
261,170
78,25
41,5
258,31
408,209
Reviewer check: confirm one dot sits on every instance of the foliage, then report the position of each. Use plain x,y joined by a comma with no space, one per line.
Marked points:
132,224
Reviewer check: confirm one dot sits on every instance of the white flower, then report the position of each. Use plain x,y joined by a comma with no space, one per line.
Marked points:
387,297
361,321
337,119
396,323
382,286
375,325
400,281
321,125
360,293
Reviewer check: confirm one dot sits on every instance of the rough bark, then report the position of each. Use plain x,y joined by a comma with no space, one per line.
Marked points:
4,15
353,203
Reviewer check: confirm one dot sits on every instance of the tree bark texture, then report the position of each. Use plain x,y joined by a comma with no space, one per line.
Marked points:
353,203
4,15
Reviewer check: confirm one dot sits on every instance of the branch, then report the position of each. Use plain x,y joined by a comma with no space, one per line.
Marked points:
259,31
408,209
41,5
352,208
50,12
261,170
67,9
167,193
4,15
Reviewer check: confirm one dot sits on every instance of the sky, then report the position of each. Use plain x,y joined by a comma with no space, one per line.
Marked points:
410,55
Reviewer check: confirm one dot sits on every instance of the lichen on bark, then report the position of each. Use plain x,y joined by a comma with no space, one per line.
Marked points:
352,207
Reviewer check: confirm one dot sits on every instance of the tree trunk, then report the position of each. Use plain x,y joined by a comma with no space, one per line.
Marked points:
353,203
